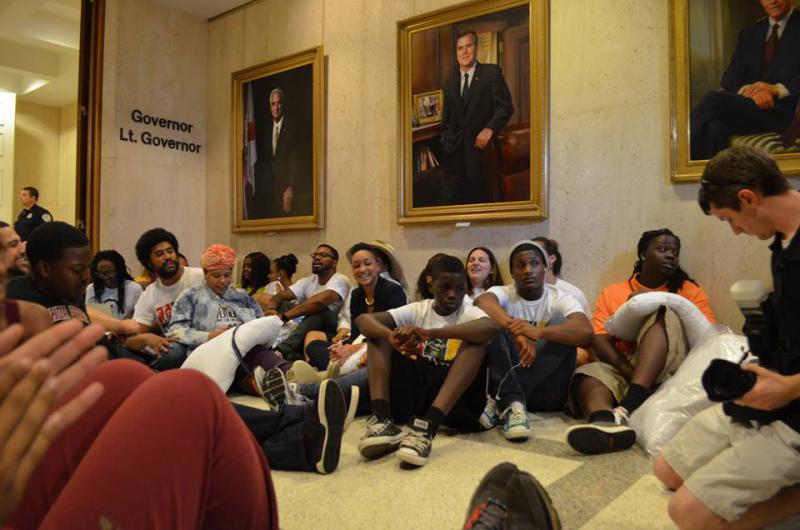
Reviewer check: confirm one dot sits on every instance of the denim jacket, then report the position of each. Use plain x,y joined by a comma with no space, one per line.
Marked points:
199,310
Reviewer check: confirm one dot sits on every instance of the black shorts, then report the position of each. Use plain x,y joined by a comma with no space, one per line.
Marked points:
413,385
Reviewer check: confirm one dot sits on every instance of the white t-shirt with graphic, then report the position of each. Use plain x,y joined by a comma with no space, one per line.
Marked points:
307,287
110,297
552,304
423,315
154,307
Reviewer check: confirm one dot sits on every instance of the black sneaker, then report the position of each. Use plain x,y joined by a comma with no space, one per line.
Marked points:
273,387
416,446
509,498
531,504
381,437
331,411
601,437
488,508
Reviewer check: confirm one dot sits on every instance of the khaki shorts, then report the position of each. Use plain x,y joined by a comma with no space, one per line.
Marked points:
613,378
730,467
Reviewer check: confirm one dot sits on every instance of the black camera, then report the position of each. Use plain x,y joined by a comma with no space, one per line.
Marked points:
725,380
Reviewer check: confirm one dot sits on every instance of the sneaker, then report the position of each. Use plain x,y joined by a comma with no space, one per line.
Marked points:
416,446
331,411
602,436
352,406
490,417
303,373
272,386
381,437
517,425
488,507
621,416
510,498
488,515
332,371
531,504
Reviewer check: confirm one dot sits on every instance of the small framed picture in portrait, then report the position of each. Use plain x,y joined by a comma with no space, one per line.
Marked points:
428,106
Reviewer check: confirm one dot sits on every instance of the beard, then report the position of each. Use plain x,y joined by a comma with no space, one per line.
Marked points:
165,273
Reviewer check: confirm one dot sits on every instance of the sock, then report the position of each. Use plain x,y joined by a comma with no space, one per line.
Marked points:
605,416
216,358
635,397
435,417
381,408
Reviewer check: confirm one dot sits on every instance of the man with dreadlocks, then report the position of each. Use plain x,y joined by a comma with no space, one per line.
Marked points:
609,390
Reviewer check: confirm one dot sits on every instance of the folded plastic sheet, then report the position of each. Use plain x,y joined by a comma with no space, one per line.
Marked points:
682,396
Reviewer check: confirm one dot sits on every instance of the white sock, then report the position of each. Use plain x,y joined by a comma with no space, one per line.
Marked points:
216,358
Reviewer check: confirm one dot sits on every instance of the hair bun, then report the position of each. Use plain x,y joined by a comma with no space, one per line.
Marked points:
293,259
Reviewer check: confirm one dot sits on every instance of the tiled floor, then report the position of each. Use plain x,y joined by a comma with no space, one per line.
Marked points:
616,491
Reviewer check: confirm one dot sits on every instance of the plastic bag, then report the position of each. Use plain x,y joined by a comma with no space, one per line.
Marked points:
682,396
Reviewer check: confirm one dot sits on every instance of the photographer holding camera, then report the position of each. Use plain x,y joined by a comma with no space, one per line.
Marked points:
736,465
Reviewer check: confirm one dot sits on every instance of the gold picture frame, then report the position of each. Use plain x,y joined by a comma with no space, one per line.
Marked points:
278,143
703,36
513,183
428,106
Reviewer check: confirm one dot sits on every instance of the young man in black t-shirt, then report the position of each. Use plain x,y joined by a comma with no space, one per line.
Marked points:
737,463
60,259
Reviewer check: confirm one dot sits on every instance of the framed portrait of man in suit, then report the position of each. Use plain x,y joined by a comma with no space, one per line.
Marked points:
278,143
473,112
735,72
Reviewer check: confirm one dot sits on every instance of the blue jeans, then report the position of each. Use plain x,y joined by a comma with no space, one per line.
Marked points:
282,434
543,386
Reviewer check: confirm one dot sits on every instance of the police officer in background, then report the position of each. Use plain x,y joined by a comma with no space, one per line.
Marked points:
32,215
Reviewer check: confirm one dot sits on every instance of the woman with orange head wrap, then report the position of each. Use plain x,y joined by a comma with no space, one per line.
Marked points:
203,312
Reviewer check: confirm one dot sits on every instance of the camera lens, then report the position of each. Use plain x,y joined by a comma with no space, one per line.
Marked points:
726,381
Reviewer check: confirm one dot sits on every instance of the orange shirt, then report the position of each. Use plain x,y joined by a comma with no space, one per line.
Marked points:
612,297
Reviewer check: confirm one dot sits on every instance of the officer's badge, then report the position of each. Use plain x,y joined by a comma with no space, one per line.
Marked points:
46,217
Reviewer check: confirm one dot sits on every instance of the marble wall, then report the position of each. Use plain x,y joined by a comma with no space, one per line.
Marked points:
45,153
155,60
8,201
609,133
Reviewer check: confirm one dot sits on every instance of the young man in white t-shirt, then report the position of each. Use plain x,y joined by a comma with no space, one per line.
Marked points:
321,296
157,250
532,361
425,362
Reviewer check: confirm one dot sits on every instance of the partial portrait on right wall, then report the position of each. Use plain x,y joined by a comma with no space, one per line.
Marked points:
735,72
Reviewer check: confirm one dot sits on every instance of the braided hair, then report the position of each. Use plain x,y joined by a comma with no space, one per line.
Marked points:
123,275
675,282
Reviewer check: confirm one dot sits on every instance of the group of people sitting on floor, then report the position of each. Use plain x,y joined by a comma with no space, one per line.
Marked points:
470,351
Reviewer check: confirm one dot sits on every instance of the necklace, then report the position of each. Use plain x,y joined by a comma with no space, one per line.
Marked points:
369,302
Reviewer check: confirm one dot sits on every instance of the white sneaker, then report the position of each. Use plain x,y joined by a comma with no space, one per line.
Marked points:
517,425
621,416
490,417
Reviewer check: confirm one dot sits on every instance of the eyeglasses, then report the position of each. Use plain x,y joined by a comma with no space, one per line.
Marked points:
106,275
320,255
